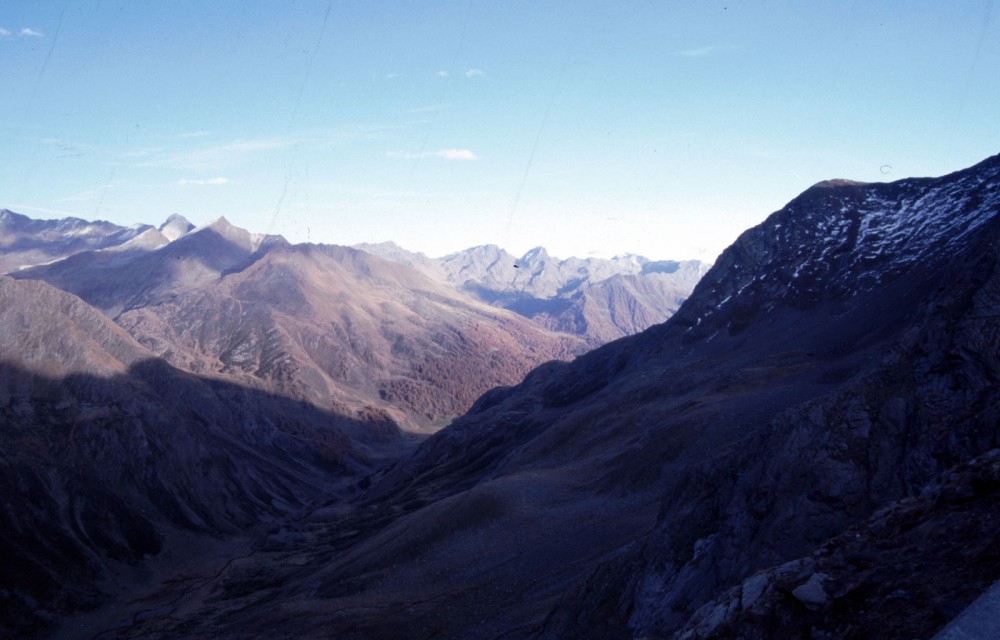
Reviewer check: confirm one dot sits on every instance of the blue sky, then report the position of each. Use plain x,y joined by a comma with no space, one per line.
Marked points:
592,128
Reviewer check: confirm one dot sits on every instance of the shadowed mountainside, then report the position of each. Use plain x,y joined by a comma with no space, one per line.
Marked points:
838,359
109,457
872,580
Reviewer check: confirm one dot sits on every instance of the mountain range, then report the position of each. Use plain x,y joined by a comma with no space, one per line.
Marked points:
807,448
599,299
333,326
26,242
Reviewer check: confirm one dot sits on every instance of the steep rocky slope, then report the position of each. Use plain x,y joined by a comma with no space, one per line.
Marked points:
599,299
872,580
109,458
836,360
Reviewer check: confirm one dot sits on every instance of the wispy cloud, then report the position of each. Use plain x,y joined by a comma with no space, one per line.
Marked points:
391,76
442,74
204,152
4,33
698,52
431,108
31,33
473,73
209,182
92,193
82,196
444,154
142,153
220,155
456,154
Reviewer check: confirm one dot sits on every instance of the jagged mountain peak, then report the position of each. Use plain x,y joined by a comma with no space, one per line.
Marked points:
490,250
535,254
175,226
222,226
219,224
238,236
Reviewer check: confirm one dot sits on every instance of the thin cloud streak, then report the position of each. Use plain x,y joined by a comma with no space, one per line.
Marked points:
698,52
31,33
215,157
219,155
444,154
431,108
210,182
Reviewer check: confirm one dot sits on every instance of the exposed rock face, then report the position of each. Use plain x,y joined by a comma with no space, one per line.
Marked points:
902,573
836,360
601,300
106,453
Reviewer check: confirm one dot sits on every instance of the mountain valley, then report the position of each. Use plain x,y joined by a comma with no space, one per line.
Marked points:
784,448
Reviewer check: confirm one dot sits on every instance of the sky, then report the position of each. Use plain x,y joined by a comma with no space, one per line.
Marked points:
593,128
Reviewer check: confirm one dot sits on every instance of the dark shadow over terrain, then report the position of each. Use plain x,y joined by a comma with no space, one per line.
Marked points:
102,473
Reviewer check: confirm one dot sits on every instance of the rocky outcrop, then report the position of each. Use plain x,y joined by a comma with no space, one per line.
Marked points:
903,573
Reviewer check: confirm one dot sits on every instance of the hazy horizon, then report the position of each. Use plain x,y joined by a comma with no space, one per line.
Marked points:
590,128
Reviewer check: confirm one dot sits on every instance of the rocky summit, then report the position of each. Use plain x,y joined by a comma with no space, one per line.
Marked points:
807,448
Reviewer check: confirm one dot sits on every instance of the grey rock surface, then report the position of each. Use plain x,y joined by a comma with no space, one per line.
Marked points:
981,621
